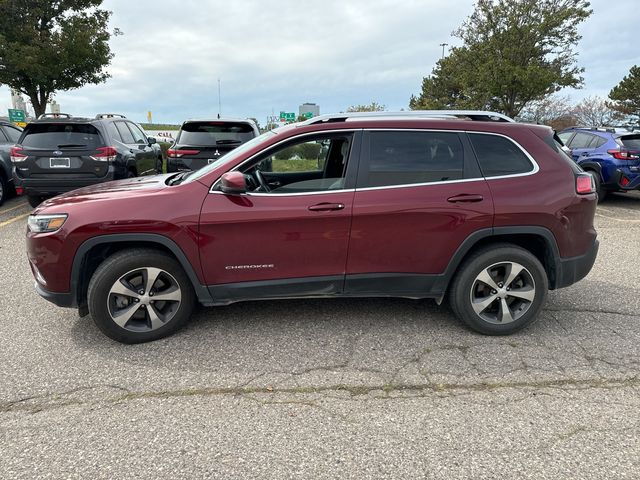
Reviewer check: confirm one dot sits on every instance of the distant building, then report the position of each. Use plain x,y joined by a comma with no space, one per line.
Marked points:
309,108
54,107
17,101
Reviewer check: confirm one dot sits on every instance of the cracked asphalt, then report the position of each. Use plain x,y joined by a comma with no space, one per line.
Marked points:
346,388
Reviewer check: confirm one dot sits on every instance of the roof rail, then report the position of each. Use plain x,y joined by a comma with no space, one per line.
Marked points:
109,115
478,115
54,115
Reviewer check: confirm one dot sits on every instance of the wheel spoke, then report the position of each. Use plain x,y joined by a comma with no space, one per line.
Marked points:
123,316
513,270
171,294
485,277
156,322
152,275
480,305
119,288
525,293
505,312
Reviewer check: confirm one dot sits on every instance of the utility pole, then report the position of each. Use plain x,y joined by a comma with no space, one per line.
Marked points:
443,45
219,100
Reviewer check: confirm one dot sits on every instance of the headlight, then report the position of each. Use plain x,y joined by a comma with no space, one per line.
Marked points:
46,223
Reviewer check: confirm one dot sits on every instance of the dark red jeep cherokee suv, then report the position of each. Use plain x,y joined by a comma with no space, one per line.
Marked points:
490,214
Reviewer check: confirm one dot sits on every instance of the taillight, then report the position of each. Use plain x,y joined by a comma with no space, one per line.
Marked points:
585,184
106,154
17,155
177,153
623,154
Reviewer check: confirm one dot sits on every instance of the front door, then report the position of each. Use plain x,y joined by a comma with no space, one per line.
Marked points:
419,195
288,235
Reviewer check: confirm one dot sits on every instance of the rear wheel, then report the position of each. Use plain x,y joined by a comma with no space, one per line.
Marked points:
140,295
597,181
159,166
499,290
4,189
35,200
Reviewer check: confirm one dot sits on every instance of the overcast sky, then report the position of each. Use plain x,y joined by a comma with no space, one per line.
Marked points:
276,55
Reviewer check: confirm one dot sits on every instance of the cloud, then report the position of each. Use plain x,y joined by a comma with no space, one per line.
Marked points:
276,55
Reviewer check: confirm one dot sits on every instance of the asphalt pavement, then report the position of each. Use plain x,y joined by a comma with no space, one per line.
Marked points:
345,388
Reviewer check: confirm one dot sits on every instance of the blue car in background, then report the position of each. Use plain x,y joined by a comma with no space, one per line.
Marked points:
610,155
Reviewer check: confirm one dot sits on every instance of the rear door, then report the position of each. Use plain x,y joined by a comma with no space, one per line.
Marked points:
419,195
62,150
202,142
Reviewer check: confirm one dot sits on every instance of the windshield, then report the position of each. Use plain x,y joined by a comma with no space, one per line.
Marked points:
229,157
214,133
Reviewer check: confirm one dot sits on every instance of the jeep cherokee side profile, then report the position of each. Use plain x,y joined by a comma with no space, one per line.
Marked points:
58,153
490,214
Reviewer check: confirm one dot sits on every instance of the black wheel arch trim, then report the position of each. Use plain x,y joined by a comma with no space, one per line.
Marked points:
552,263
595,166
78,261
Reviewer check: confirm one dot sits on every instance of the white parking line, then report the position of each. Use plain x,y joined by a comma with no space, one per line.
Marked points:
617,219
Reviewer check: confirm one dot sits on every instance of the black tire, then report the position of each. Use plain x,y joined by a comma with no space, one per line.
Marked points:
495,258
4,189
34,200
102,302
597,181
159,165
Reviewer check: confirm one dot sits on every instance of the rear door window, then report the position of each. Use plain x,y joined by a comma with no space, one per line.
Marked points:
499,156
215,133
113,131
565,137
13,134
59,135
125,133
581,140
405,158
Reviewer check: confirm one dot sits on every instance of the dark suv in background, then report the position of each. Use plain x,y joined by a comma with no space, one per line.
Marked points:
201,142
9,135
58,153
418,204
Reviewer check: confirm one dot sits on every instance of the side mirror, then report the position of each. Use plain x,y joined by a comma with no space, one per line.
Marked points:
151,140
233,182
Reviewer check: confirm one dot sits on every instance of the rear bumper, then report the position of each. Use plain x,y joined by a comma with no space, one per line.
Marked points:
59,299
620,177
572,270
54,186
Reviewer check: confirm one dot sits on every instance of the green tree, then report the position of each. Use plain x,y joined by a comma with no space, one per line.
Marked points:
513,52
372,107
626,95
53,45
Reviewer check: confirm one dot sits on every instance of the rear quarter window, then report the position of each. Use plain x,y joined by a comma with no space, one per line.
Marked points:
60,135
499,156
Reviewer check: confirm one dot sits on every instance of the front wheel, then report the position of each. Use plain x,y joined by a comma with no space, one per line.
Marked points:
139,295
499,290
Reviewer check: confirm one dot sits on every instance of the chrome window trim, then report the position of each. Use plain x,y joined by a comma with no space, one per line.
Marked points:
536,167
308,134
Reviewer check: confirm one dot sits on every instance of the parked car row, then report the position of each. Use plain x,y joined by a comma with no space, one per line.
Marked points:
611,156
463,206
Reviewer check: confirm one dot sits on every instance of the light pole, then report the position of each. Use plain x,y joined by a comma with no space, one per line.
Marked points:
219,100
443,45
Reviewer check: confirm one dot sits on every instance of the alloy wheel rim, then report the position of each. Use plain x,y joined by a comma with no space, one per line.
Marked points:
144,299
502,293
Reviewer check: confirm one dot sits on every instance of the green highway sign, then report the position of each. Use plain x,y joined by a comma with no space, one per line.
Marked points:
287,116
16,115
307,115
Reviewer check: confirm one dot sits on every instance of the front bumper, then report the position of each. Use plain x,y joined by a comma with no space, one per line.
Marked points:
574,269
60,299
